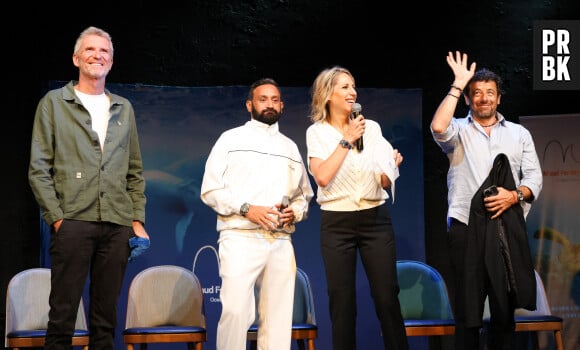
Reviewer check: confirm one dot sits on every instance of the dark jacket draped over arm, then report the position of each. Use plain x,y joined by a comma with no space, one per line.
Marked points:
498,254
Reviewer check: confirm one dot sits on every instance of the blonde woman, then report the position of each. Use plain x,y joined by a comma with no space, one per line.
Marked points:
353,165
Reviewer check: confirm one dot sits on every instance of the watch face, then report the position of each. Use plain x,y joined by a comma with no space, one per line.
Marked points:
345,144
244,209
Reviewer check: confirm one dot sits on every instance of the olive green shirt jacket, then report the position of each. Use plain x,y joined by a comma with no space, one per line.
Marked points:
71,177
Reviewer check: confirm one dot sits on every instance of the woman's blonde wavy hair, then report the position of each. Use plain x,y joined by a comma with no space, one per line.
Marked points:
321,91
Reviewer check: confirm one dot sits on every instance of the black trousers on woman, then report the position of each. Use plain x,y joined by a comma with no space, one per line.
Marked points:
369,233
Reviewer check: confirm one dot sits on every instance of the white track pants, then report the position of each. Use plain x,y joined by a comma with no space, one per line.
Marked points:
248,260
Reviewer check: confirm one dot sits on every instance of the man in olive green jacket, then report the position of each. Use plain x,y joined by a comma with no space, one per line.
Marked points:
86,174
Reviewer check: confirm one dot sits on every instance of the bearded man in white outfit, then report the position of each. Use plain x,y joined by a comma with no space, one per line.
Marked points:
250,170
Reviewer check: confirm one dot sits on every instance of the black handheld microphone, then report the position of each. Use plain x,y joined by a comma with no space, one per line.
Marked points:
356,109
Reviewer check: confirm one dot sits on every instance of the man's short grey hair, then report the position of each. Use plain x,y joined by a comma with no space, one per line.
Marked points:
93,31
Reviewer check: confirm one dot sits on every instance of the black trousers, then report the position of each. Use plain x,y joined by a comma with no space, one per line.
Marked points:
501,332
368,233
80,247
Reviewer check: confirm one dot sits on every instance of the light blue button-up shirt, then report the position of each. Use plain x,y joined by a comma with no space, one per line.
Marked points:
471,153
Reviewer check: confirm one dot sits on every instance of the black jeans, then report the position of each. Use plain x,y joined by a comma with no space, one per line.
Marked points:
77,248
501,332
465,338
370,233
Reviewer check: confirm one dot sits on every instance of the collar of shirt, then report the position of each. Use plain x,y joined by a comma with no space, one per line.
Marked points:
269,129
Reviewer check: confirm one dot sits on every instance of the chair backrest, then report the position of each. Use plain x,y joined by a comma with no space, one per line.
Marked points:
423,293
304,328
165,295
542,306
27,304
303,309
303,300
535,321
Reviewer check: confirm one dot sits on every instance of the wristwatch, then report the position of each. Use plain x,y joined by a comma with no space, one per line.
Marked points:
520,195
244,209
345,144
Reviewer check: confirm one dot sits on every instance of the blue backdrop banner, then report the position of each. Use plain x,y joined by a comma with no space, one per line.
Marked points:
177,128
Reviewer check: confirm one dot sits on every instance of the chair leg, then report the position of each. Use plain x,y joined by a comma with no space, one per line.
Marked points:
558,338
194,345
253,344
536,339
310,344
300,343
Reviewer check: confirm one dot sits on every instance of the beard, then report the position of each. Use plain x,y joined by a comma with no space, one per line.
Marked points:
486,115
267,116
95,72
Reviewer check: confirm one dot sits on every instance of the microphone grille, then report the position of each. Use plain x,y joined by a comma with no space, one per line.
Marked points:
356,107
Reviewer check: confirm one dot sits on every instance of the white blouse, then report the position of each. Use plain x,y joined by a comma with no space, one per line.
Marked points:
357,184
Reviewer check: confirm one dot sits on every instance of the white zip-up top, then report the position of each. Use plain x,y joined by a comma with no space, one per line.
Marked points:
257,164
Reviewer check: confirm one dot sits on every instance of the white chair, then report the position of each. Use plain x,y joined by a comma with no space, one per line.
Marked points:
27,311
535,321
165,305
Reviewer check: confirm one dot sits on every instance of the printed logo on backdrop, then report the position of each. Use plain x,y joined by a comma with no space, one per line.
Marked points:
212,291
556,55
561,151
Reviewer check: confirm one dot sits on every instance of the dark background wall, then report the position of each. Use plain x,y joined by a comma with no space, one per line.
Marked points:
212,43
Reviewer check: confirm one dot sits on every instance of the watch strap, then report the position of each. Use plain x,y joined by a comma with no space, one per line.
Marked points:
345,144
